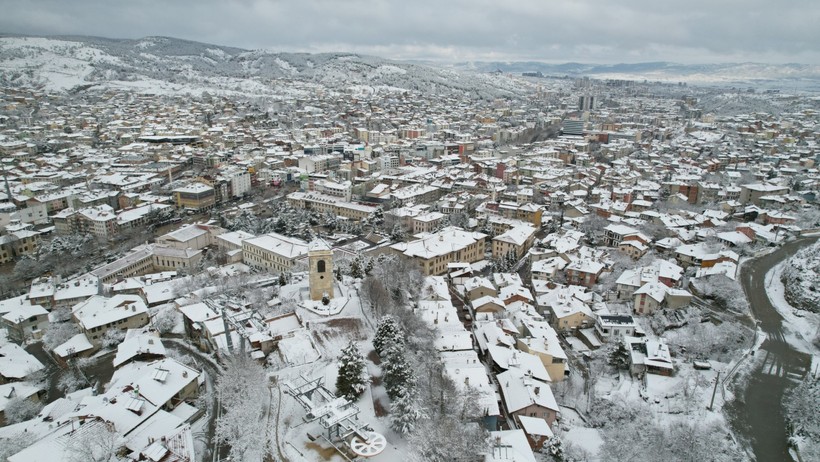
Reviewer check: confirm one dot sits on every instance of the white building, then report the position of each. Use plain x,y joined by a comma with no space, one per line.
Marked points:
240,184
273,252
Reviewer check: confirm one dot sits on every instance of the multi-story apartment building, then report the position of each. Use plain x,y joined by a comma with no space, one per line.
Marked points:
196,196
17,243
330,204
434,251
516,241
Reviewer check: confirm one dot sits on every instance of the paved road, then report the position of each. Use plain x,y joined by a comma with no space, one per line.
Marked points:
204,362
53,371
759,414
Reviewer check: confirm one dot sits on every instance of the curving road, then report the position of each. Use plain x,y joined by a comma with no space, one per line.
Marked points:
758,414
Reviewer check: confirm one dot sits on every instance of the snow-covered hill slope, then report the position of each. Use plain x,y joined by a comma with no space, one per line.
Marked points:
168,65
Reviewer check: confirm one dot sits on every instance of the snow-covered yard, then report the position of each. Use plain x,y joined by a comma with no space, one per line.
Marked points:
313,354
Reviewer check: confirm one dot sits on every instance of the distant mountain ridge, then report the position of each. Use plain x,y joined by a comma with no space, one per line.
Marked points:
177,66
664,71
164,64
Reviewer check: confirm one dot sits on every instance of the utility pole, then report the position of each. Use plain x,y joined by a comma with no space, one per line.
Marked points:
717,381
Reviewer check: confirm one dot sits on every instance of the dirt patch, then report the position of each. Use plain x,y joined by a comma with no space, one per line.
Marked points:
379,409
374,357
375,380
349,327
326,453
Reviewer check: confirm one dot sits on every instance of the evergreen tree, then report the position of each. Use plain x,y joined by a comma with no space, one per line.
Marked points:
352,379
356,269
377,217
398,234
512,259
405,412
388,333
397,373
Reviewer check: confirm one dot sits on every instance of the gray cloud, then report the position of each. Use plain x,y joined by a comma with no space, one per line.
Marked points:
603,31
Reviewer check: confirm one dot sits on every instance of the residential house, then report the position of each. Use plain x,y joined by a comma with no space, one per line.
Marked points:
488,304
524,395
537,430
648,356
567,307
584,272
477,287
543,342
613,326
99,314
22,320
548,268
504,359
17,364
509,446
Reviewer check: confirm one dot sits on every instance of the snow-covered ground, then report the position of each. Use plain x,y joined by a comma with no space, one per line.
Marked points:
326,336
802,278
800,327
576,436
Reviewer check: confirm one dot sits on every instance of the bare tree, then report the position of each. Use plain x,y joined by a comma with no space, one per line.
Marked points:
95,441
244,398
375,295
20,409
59,333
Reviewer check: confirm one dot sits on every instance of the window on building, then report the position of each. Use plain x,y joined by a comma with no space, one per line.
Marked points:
320,266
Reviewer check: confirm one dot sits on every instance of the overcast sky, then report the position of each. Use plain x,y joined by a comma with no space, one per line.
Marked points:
589,31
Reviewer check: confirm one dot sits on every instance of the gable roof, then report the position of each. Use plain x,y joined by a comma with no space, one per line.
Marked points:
512,359
520,390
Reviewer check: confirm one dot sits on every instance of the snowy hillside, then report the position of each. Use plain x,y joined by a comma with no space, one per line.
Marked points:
802,279
168,65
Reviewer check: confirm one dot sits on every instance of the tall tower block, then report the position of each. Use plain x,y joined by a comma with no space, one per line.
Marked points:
320,259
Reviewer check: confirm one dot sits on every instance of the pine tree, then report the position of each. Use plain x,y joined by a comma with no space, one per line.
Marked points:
406,411
397,234
356,270
388,333
376,218
397,373
352,379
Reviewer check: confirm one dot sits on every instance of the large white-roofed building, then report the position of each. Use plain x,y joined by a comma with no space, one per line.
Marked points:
273,252
434,251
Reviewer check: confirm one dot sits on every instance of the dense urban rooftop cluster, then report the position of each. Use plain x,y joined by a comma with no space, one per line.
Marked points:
582,225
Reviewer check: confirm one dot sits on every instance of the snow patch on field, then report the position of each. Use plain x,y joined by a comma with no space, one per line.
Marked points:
587,438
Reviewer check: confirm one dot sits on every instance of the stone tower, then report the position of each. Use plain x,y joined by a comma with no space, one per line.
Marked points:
320,259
